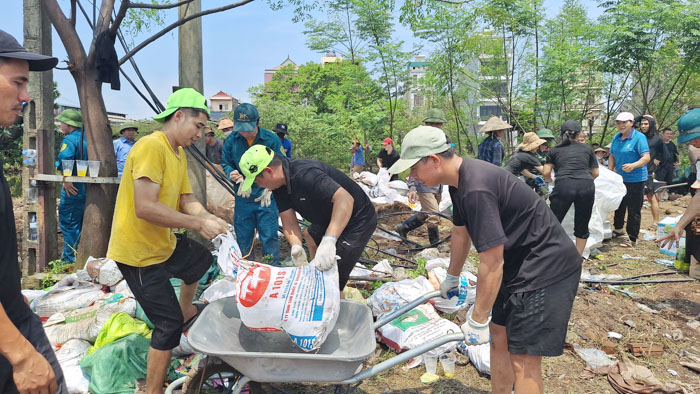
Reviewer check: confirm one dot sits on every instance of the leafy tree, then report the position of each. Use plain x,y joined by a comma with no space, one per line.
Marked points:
338,32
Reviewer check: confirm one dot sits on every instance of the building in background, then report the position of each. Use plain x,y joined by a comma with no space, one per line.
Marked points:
416,72
114,118
271,71
220,104
331,58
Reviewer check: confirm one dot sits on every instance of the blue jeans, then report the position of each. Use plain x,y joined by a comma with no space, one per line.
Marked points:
248,215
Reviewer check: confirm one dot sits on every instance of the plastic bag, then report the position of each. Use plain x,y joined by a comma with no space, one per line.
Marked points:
116,367
301,301
118,326
479,355
594,358
86,323
68,357
103,271
69,294
416,327
462,298
228,254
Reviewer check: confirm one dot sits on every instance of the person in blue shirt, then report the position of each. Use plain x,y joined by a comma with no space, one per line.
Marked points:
72,204
123,145
491,149
282,132
255,209
629,155
358,157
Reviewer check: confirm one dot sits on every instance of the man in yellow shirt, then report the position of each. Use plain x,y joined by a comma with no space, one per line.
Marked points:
154,198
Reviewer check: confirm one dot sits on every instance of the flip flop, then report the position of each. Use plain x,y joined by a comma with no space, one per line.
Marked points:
200,307
618,233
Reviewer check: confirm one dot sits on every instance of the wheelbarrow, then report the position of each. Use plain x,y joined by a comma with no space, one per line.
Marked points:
270,357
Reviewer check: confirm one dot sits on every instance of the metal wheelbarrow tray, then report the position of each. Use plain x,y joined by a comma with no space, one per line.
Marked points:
272,357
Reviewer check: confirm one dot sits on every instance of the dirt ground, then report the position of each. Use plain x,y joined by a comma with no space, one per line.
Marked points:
595,313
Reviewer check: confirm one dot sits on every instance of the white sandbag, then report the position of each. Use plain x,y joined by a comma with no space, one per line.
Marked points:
416,327
122,288
228,254
67,295
86,323
400,187
301,301
221,288
464,297
33,294
479,355
103,271
609,192
68,357
184,349
393,295
367,178
445,199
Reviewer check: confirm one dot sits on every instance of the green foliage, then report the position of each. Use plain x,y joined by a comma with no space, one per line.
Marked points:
419,270
324,108
338,32
55,267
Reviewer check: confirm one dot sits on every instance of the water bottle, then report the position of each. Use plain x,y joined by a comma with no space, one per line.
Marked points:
32,227
29,153
31,162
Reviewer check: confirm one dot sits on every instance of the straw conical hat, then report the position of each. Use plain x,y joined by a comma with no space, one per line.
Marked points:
494,123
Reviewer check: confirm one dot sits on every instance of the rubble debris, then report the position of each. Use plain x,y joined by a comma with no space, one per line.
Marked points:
644,349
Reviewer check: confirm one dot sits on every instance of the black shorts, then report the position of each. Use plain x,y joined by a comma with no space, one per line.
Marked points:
649,187
350,245
536,321
32,329
152,289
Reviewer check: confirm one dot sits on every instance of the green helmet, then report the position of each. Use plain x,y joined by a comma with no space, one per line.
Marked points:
545,133
434,115
71,117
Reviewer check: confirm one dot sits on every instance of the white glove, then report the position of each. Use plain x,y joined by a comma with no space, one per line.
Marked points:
476,333
265,198
299,255
450,282
325,254
244,194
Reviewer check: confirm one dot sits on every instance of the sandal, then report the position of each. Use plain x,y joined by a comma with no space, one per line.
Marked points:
200,307
618,233
627,243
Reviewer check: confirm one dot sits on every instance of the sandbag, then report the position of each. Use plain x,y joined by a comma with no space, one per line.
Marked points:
228,254
301,301
479,355
69,294
464,297
115,368
118,326
103,271
68,357
221,288
393,295
86,323
219,201
609,192
416,327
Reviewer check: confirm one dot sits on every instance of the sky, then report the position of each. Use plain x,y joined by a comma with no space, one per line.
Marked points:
238,45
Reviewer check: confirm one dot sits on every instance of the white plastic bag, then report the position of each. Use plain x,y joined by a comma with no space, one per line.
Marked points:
301,301
416,327
479,355
228,254
609,191
465,294
68,357
103,271
392,295
69,294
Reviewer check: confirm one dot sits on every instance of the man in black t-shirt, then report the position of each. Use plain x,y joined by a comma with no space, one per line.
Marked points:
388,156
529,269
342,217
669,158
27,361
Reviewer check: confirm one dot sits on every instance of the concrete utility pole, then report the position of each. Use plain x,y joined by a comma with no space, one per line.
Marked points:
39,134
192,76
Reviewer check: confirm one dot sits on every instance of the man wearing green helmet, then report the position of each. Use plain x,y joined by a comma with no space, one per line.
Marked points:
154,198
72,205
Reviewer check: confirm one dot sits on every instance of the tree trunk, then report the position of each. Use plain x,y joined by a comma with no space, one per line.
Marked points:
100,200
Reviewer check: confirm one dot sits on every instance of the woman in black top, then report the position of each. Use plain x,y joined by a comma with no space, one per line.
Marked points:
576,167
525,159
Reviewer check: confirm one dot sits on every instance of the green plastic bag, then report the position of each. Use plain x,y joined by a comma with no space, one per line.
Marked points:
114,368
118,326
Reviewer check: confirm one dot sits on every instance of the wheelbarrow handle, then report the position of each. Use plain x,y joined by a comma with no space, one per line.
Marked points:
403,357
400,311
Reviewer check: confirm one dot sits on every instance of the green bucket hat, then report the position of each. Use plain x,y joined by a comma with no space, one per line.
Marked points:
434,115
545,133
71,117
689,126
418,143
253,162
183,98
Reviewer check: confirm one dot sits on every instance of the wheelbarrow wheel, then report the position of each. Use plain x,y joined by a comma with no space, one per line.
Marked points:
212,375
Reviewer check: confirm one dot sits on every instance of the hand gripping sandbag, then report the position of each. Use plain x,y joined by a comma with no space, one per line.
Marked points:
301,301
228,254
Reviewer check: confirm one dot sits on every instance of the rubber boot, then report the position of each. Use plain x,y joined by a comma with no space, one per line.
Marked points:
433,235
409,224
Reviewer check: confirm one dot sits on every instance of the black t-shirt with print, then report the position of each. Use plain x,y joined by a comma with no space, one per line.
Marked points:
573,161
520,161
499,209
310,188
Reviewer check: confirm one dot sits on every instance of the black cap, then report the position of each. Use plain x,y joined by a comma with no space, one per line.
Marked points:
571,125
10,48
281,128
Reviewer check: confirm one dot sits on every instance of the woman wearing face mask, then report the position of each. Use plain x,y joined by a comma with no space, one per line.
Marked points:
576,167
647,125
